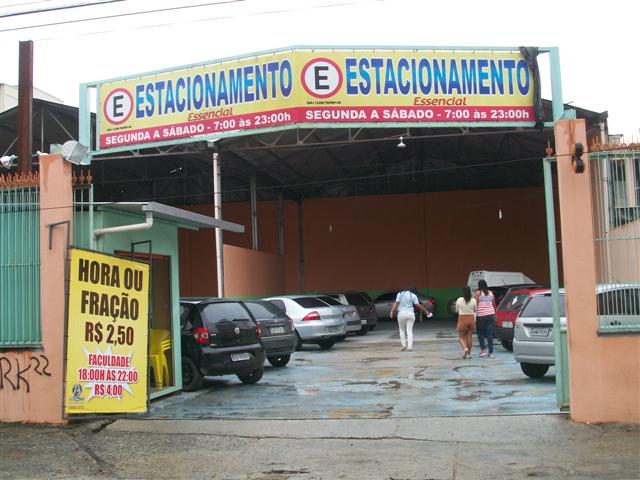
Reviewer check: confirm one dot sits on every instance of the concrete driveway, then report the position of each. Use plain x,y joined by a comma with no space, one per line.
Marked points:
370,377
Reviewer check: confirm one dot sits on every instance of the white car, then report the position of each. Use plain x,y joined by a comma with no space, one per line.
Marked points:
314,320
533,348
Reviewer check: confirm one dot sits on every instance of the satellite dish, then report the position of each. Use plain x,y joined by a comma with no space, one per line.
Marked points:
73,151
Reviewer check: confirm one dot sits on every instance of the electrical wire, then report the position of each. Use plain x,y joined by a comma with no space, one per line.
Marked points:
63,7
120,15
185,22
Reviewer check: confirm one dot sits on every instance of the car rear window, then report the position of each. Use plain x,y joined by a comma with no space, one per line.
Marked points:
309,302
216,312
279,304
263,309
540,306
330,301
356,299
513,302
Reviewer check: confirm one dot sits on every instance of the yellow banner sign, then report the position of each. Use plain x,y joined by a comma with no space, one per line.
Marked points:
107,332
318,87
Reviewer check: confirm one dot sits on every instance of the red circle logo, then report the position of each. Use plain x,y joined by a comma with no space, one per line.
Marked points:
321,77
118,106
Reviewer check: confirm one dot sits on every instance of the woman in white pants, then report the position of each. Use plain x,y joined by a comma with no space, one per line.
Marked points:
404,304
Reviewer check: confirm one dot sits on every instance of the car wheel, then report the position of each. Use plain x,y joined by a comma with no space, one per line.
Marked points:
534,370
326,344
279,361
364,330
298,342
451,308
507,344
192,378
251,377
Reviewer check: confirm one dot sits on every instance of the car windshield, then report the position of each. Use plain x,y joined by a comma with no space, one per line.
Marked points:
309,302
540,306
513,302
264,309
330,301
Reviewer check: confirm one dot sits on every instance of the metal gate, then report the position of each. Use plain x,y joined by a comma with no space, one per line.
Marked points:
20,261
615,191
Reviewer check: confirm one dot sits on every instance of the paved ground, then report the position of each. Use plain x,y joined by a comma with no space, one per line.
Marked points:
369,377
387,415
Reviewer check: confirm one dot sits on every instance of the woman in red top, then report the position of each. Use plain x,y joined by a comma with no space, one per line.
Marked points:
486,317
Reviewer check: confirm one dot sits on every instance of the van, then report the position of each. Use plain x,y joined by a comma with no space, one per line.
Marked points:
495,279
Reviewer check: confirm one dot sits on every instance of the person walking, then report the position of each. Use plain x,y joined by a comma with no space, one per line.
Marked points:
404,304
466,307
486,317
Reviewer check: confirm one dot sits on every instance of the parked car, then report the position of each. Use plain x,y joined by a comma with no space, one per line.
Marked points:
533,347
385,301
277,331
349,312
218,337
313,320
508,310
365,306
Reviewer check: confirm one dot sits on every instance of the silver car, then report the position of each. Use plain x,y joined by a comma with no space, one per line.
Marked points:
533,348
533,334
313,319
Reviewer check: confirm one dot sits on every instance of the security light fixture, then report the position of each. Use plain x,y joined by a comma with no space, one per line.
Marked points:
7,161
73,151
401,144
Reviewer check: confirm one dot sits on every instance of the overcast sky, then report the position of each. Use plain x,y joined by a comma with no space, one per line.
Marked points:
598,40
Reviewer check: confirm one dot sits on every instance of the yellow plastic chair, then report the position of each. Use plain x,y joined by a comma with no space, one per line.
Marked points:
160,342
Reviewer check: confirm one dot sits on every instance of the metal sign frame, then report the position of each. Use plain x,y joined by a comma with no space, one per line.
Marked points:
87,137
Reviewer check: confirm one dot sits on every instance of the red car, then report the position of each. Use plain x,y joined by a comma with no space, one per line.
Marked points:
508,311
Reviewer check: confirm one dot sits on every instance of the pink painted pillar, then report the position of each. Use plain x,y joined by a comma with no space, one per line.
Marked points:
38,398
604,370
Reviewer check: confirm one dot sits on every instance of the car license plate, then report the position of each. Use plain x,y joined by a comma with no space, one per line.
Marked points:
333,329
276,330
539,331
238,357
507,324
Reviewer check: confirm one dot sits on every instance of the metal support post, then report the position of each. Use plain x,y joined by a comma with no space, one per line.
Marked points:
217,206
254,213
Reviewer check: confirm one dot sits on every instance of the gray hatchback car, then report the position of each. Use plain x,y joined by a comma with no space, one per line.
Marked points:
365,306
277,332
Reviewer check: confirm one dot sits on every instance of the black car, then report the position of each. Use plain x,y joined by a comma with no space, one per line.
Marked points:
219,337
278,334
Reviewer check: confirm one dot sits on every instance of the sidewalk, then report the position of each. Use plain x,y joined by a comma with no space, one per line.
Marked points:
452,448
